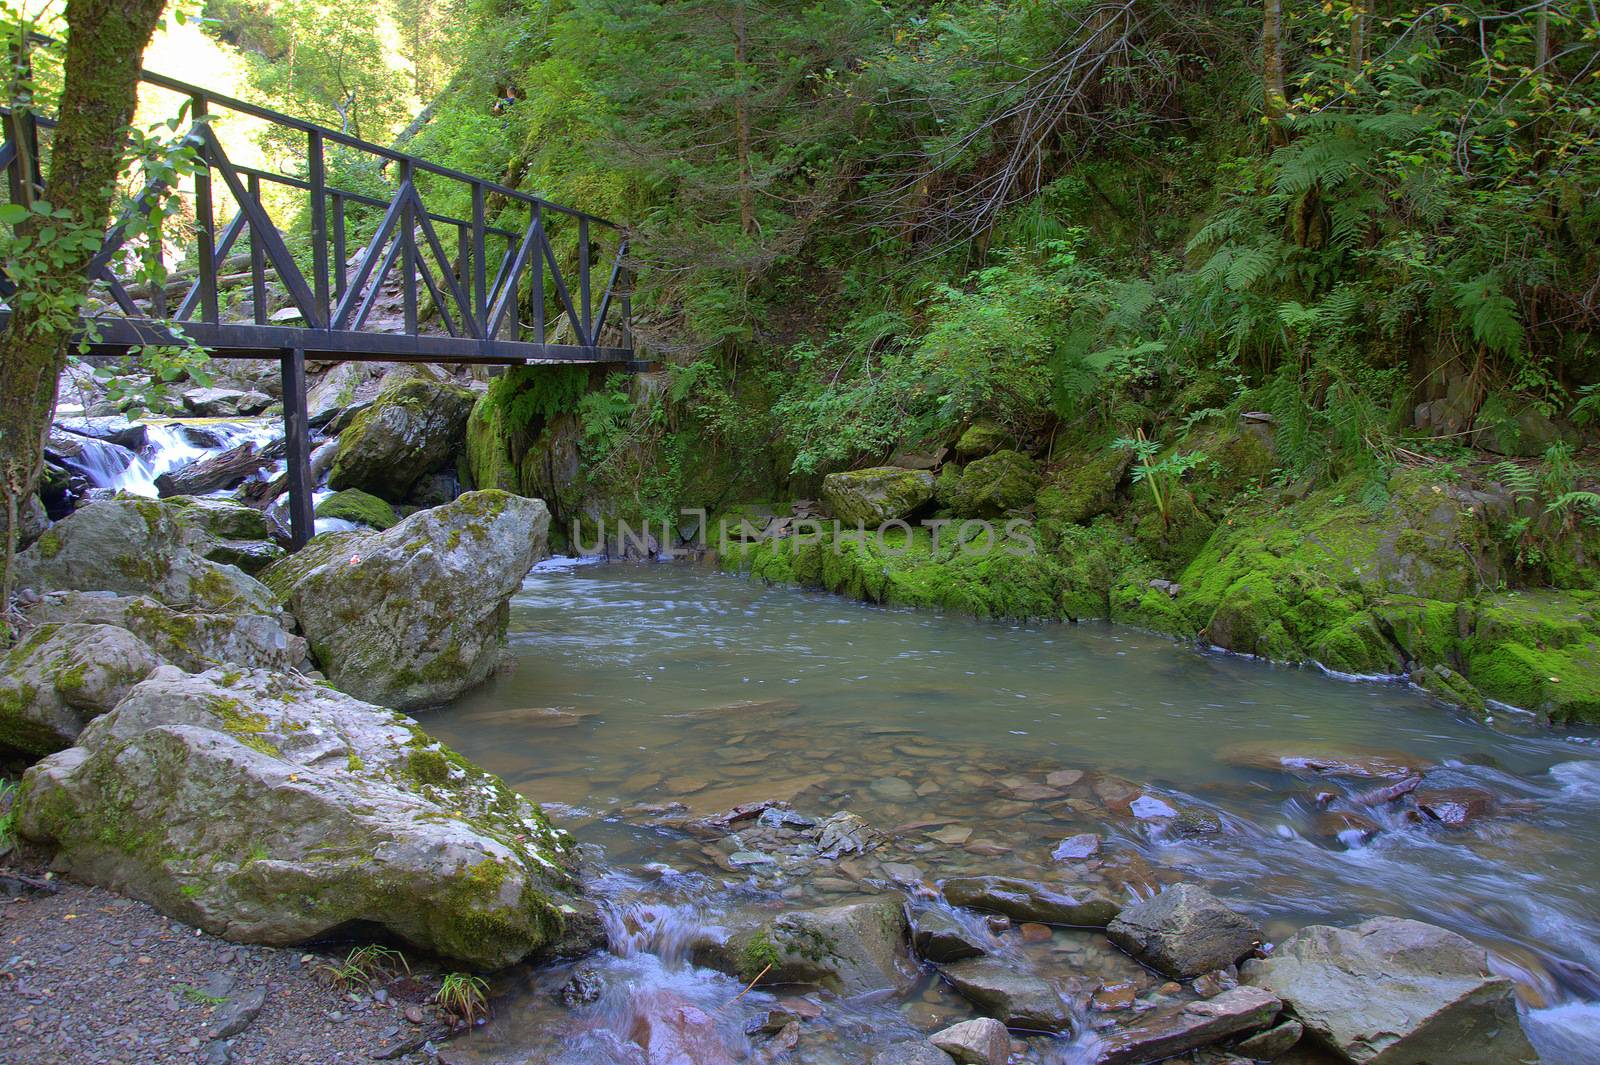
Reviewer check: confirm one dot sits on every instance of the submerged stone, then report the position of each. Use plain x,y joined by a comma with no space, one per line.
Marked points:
1013,996
1174,1030
1026,900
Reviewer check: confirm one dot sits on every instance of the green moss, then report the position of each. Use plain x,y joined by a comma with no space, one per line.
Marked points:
249,727
49,545
992,487
1083,486
363,508
757,956
428,767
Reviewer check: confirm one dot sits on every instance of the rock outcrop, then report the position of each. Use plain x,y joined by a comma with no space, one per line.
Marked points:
1395,992
415,615
266,808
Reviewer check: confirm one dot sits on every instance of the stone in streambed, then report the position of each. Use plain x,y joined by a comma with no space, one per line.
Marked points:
1083,845
1272,1043
1026,900
1184,931
998,988
911,1052
850,949
1174,1030
415,615
1390,991
363,508
941,936
60,677
265,808
984,1041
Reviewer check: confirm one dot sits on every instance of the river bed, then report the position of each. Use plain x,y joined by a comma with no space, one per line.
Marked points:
646,695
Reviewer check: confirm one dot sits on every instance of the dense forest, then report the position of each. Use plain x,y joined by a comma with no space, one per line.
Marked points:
859,226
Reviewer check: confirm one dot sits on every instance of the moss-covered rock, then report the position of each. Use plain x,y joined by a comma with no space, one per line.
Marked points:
852,949
221,518
413,428
363,508
489,446
981,438
1540,651
414,615
1083,486
992,487
873,496
61,676
268,809
191,640
139,547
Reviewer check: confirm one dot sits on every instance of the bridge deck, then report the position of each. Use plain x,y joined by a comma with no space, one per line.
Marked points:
497,292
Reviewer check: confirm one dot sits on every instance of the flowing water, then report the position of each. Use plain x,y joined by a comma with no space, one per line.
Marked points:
646,696
168,446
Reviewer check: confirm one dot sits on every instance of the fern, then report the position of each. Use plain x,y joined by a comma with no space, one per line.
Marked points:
1519,481
1567,504
1491,313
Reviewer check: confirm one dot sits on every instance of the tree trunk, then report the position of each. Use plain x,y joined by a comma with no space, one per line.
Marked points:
1358,38
1273,92
741,120
105,42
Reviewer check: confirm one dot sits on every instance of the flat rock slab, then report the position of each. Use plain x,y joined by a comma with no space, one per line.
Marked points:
940,936
1020,999
984,1041
1396,992
1176,1030
1026,900
237,1013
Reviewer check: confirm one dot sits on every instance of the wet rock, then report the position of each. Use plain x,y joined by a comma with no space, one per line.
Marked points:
1000,989
845,833
458,566
216,472
1214,983
874,496
1174,1030
911,1052
1150,808
1026,900
1390,991
1311,756
583,987
1184,931
978,1042
236,1014
269,809
192,640
60,677
1108,998
941,936
1083,845
1455,807
138,547
850,949
115,429
412,429
1389,793
1344,825
1272,1043
770,1023
1063,778
893,789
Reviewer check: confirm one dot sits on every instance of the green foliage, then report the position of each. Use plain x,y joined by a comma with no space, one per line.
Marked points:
363,966
1159,473
527,396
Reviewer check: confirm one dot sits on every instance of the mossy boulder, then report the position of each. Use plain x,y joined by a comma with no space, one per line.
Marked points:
363,508
193,640
415,615
61,676
981,438
265,808
994,486
139,547
221,518
1083,487
873,496
1175,537
412,429
1539,651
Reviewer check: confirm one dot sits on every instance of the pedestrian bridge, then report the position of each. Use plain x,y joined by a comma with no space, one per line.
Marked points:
509,279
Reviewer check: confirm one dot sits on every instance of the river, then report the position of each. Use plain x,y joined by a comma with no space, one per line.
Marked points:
645,695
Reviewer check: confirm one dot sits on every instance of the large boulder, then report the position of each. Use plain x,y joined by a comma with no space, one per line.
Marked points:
191,640
222,518
61,676
224,402
265,808
874,496
1396,992
412,429
414,615
360,507
1184,931
139,547
993,486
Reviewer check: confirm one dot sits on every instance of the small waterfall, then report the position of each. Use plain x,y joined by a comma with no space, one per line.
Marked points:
100,462
170,446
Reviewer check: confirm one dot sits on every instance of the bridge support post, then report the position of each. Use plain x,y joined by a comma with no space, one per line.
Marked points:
297,437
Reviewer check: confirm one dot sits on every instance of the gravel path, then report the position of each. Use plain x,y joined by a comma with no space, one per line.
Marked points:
89,976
